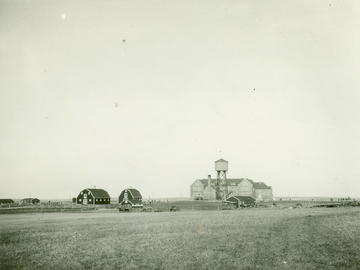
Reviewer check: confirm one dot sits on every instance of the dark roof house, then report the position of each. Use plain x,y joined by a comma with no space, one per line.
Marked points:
130,196
93,196
6,201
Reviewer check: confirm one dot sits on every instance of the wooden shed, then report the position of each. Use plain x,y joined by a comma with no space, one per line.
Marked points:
93,196
241,201
131,196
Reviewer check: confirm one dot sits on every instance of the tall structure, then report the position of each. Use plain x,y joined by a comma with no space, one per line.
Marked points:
221,167
209,184
221,187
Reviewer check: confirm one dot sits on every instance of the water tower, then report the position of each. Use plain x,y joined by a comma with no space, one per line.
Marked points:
221,167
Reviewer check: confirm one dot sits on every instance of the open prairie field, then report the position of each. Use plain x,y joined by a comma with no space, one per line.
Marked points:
303,238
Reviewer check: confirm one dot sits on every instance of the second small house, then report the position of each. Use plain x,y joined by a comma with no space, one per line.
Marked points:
130,197
93,196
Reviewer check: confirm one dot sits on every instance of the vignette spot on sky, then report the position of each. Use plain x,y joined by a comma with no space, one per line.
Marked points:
63,16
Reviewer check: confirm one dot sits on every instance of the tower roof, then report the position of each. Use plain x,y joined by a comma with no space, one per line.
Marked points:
221,160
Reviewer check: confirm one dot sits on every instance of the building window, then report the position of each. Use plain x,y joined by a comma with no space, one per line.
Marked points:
82,192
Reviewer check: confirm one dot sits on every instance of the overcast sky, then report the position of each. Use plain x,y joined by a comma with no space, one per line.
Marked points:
149,94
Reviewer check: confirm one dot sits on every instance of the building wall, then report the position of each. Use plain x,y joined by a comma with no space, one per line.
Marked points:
102,201
209,193
245,188
85,194
197,190
264,194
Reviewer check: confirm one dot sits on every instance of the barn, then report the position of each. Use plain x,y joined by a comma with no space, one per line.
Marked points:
93,196
6,201
131,197
240,201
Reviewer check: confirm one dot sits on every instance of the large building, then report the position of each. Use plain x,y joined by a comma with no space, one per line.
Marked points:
210,188
93,196
131,196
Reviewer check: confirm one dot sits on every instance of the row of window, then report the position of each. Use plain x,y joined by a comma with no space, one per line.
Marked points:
102,200
97,200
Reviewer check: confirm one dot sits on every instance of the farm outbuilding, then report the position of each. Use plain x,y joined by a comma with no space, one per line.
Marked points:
130,196
93,196
30,201
6,201
240,201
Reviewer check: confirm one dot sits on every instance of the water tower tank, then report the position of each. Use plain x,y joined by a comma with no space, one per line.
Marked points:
221,165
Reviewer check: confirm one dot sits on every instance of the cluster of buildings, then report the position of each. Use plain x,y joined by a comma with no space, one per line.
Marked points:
25,201
240,190
129,197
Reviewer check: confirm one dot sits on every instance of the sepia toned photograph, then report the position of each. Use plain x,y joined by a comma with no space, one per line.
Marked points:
178,134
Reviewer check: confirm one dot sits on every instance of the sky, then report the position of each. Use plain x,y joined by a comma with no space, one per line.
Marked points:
148,94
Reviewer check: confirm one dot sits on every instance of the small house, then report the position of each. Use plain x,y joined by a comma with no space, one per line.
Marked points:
28,201
6,201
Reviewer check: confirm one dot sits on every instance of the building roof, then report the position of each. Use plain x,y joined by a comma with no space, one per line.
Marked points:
245,199
260,185
135,193
133,196
235,182
6,201
29,199
99,193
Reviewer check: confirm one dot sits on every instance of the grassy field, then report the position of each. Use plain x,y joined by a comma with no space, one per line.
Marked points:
303,238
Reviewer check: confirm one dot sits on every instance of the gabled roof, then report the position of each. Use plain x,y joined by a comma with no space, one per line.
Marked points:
235,181
221,160
99,193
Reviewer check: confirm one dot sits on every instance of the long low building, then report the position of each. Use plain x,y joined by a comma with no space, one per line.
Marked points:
205,189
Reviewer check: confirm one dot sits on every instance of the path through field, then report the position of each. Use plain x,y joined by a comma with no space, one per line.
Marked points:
245,239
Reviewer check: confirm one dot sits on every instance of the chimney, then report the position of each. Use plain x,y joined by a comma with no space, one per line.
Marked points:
209,185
